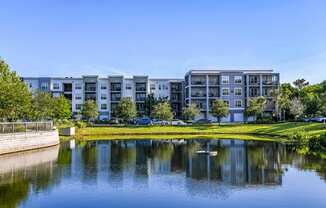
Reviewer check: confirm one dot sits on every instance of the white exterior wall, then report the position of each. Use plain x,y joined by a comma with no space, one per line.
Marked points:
128,92
105,92
56,81
76,92
162,88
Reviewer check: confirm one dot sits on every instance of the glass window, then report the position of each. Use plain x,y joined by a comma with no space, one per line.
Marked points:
225,79
44,86
78,97
238,103
79,106
152,87
238,79
103,87
103,96
238,91
56,86
128,86
103,106
78,86
227,102
225,91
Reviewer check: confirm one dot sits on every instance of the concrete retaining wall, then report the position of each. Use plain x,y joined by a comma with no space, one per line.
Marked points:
18,142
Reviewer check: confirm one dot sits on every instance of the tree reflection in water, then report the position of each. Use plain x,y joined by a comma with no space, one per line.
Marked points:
238,164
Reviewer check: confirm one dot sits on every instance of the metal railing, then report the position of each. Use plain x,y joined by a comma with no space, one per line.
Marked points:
21,127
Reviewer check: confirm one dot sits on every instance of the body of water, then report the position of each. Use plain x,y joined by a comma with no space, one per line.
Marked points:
163,173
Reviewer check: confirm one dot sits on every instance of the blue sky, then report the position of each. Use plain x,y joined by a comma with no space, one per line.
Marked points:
163,38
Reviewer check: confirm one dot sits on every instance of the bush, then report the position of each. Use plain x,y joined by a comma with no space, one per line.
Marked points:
80,124
300,137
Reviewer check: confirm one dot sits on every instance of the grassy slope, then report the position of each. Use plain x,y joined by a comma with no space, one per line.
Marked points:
281,129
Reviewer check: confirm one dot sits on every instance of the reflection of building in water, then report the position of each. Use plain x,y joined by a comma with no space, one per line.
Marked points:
237,163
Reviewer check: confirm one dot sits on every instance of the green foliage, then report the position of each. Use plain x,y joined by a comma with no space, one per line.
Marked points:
80,124
190,112
162,111
62,108
126,109
297,108
219,109
90,110
256,107
43,106
300,83
15,99
150,102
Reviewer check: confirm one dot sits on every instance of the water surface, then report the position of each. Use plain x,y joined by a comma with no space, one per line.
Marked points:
163,173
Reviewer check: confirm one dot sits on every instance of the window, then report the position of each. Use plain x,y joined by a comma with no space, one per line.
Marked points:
79,106
103,106
103,96
238,103
78,97
225,91
78,86
44,86
152,87
56,86
225,79
238,91
237,79
227,102
103,87
128,86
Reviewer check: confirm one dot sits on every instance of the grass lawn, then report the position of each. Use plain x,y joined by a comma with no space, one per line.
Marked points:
244,131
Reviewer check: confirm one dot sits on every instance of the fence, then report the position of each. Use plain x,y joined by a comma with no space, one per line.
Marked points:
16,127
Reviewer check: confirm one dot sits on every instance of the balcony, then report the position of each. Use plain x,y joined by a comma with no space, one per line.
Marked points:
141,87
116,87
198,80
90,87
213,80
140,97
115,97
270,80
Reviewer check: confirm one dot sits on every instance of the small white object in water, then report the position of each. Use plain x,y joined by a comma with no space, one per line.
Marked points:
211,153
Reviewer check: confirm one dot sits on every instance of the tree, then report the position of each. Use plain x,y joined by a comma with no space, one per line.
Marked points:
219,109
297,108
126,109
15,99
256,107
150,102
190,112
62,108
283,97
42,106
90,110
300,83
162,111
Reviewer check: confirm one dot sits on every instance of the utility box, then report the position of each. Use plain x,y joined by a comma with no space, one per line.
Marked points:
69,131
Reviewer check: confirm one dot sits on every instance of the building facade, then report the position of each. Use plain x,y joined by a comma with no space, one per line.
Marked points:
236,88
200,87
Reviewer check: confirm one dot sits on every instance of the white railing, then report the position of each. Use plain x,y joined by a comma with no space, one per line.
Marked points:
17,127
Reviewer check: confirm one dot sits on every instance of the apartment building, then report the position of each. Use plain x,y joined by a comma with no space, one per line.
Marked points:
201,87
107,92
236,88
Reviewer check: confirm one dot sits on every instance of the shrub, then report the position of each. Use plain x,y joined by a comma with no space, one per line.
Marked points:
80,124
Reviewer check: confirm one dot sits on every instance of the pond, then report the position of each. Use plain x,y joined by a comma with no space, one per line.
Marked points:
163,173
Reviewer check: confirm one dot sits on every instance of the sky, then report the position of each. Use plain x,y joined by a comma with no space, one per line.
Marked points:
163,39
